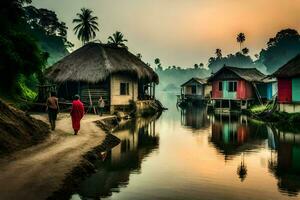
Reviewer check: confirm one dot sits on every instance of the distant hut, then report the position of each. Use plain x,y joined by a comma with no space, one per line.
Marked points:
288,77
96,70
195,89
233,86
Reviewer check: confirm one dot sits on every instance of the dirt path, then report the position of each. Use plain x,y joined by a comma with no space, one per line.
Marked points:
36,172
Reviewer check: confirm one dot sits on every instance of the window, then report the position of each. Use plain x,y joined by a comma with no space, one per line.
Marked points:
220,85
124,88
232,86
194,89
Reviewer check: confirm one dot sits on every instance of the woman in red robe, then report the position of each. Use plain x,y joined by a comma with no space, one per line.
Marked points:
77,113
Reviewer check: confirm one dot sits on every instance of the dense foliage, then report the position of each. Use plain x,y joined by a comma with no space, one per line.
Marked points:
281,48
28,36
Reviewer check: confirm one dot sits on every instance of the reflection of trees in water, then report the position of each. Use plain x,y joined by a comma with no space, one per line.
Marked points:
285,165
138,140
242,169
195,117
234,134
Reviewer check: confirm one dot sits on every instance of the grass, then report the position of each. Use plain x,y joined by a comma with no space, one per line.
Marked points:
258,109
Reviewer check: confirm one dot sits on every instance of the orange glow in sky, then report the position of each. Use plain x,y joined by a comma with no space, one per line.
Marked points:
183,32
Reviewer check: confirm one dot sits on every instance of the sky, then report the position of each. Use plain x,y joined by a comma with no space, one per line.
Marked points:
183,32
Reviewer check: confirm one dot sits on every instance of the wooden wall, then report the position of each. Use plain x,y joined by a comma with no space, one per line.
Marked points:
116,98
284,90
244,91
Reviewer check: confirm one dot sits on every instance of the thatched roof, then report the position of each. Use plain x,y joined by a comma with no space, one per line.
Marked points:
248,74
94,62
290,69
197,80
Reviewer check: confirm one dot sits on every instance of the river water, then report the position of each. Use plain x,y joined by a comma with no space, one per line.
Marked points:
189,154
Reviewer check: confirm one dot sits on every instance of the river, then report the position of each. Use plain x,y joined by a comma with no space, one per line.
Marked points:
189,154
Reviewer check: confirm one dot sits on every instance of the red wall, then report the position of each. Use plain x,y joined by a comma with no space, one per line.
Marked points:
216,94
284,90
244,90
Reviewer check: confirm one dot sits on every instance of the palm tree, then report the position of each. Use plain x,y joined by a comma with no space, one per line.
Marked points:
157,62
240,39
218,53
87,25
117,39
245,51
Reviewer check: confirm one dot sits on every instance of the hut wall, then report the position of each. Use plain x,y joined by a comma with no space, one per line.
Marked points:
207,90
244,90
284,90
274,88
188,89
115,88
216,93
226,93
296,89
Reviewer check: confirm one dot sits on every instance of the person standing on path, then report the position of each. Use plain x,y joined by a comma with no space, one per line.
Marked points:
76,113
52,108
101,105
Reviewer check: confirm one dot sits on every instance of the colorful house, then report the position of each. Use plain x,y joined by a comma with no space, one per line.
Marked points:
288,77
232,85
267,89
195,89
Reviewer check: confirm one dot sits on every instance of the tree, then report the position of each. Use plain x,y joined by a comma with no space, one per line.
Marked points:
157,62
117,39
280,49
196,66
240,39
245,51
201,65
20,54
87,25
48,31
218,53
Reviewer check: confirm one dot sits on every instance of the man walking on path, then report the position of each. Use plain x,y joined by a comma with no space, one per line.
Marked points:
52,108
77,113
101,105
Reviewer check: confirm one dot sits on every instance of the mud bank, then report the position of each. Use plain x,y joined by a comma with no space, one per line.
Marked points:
87,165
19,130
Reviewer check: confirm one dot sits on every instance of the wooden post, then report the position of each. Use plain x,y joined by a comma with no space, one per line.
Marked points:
153,90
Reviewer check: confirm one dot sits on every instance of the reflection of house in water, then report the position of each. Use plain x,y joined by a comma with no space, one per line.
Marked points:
233,134
194,117
138,140
286,166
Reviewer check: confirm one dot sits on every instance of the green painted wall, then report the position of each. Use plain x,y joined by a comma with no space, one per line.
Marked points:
296,157
296,89
226,94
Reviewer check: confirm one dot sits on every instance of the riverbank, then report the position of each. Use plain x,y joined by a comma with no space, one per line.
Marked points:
41,170
289,122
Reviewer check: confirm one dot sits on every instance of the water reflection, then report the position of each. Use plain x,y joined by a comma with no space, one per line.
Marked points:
138,140
229,155
234,134
195,118
286,163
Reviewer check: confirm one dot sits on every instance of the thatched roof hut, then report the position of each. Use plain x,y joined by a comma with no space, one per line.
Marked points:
94,62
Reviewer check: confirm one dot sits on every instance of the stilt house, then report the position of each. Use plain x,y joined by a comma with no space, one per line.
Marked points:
96,70
195,89
238,86
288,77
